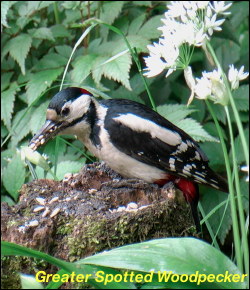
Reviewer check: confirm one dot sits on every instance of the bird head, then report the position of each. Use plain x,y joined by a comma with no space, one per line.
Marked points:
69,112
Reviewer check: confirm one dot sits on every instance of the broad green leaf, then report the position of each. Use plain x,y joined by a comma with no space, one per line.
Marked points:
71,4
244,186
142,3
137,41
110,10
150,29
194,129
239,10
19,48
136,24
44,4
137,89
32,7
38,117
174,113
59,31
40,81
4,131
64,50
118,70
14,176
211,129
20,126
228,32
7,105
67,167
43,33
97,70
5,6
5,80
52,60
219,112
179,255
82,68
30,282
11,249
241,98
222,217
227,56
238,147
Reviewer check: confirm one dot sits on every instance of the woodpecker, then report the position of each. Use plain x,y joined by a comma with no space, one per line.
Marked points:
133,140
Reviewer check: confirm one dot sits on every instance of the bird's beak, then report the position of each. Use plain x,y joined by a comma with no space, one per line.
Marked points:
49,130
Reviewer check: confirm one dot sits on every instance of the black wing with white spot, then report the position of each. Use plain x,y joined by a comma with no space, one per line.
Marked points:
147,137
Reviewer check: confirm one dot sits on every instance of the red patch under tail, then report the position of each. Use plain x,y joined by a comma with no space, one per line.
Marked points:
190,191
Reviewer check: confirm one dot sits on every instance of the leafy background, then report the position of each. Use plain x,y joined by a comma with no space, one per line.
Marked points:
37,41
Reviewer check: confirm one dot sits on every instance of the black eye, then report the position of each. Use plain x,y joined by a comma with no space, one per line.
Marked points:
65,111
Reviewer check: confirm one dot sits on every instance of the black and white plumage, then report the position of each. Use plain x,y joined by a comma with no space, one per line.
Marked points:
132,139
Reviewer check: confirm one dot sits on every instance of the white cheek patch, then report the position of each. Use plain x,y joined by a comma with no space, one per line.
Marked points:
78,107
143,125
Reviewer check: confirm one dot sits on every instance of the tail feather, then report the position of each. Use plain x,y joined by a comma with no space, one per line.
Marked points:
216,181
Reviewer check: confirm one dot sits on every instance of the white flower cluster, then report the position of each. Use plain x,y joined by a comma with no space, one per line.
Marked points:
186,24
234,76
211,84
246,169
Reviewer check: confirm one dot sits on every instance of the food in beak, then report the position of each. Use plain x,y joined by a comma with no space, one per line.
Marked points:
48,131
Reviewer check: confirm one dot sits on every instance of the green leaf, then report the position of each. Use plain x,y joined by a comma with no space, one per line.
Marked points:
150,29
5,6
179,255
67,167
19,47
228,32
40,81
239,11
137,88
11,249
45,4
136,24
43,33
142,3
20,126
227,56
110,10
211,198
238,147
30,8
14,176
82,68
118,70
38,117
7,105
241,97
175,113
137,41
59,31
5,80
64,50
194,129
52,60
97,70
71,4
30,282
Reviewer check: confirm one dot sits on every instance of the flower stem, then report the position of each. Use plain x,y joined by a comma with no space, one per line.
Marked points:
235,111
231,191
245,249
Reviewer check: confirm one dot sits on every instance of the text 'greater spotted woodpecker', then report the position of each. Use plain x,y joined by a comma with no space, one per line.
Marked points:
133,140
